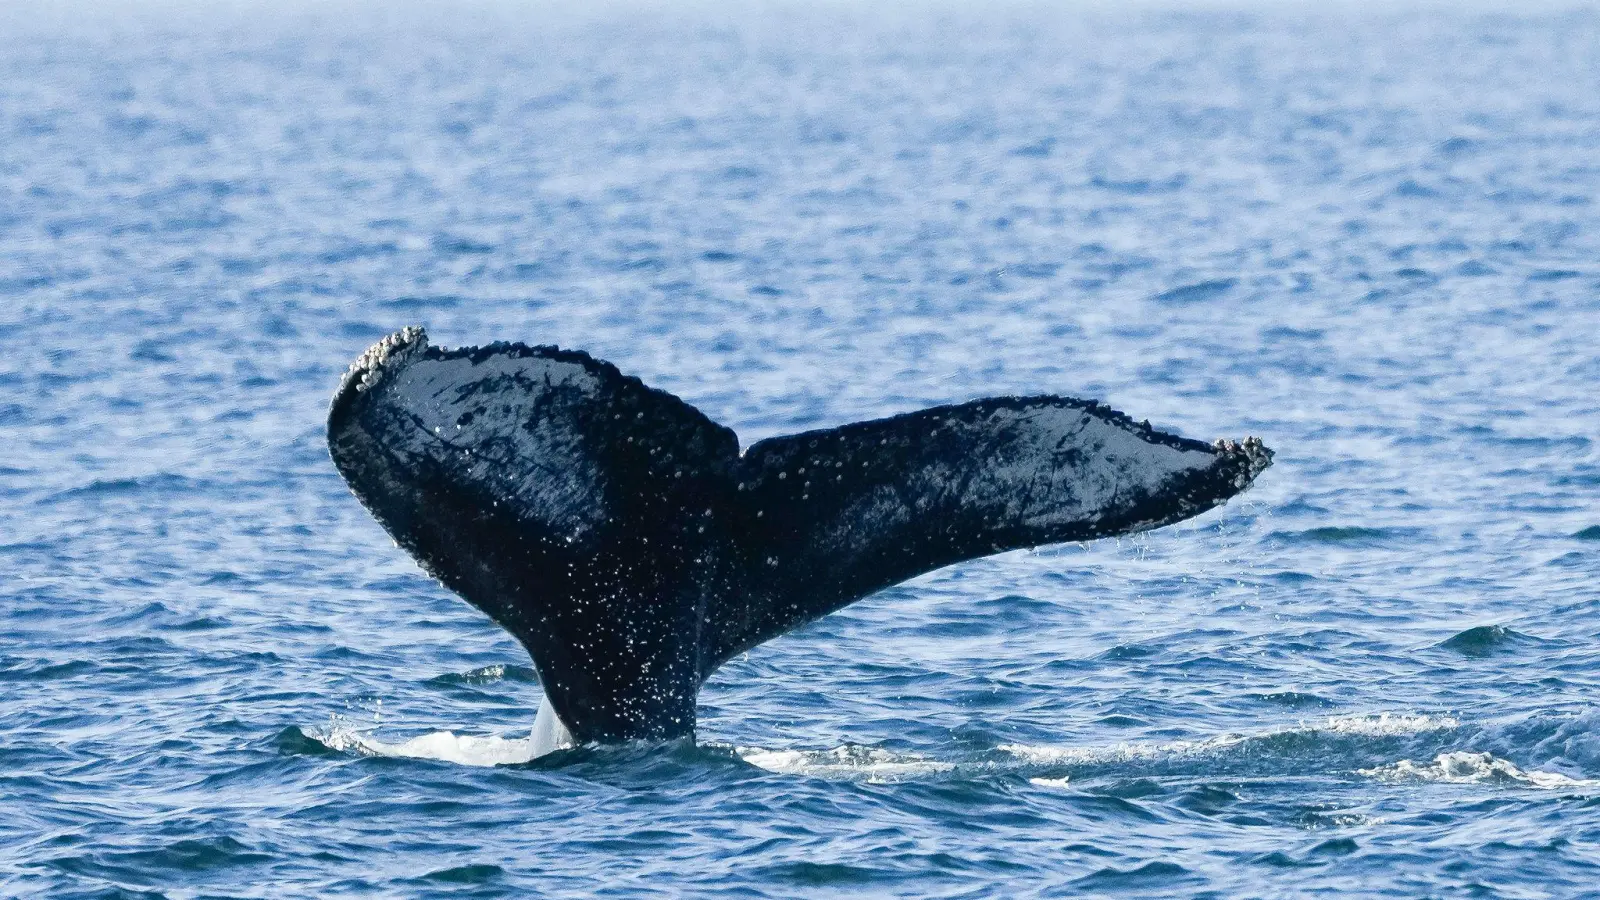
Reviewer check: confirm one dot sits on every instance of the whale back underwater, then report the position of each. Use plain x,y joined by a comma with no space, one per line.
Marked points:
628,543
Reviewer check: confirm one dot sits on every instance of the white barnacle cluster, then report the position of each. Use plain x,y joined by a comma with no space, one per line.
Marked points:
1256,457
367,370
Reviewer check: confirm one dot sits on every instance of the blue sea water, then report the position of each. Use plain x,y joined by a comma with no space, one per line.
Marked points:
1369,235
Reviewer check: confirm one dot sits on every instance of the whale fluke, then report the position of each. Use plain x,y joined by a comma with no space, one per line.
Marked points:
623,538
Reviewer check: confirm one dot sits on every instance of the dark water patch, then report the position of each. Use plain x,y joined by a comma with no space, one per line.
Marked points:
417,303
1554,275
1294,700
1148,877
1277,859
647,765
234,265
719,256
1206,800
18,284
1489,640
1140,186
1215,665
242,777
152,351
804,873
1350,535
1573,560
1128,651
172,862
111,892
1291,577
194,855
216,578
1131,789
151,612
1197,293
456,245
1335,847
960,627
1301,506
31,547
1411,188
292,741
339,652
1035,270
1285,333
358,251
44,670
477,873
1592,533
1111,810
1039,149
1567,442
157,484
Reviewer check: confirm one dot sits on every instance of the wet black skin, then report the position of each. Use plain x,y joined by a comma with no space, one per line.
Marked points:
621,536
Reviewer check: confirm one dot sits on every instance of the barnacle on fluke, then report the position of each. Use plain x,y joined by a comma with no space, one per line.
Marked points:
626,541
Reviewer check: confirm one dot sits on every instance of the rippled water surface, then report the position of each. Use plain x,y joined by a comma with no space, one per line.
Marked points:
1369,236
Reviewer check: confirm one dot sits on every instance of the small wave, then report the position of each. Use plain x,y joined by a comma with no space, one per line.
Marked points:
1315,819
478,873
1293,699
1462,767
1148,877
45,670
1487,640
1198,293
1350,534
823,874
1592,533
160,482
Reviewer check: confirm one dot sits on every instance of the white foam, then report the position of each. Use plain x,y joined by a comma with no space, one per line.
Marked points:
1351,820
874,764
1463,767
854,762
1383,724
1380,725
848,762
1060,755
463,749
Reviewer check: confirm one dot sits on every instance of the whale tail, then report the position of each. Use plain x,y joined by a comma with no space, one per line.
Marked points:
621,536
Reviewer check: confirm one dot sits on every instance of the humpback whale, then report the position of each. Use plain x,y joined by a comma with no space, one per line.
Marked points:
632,547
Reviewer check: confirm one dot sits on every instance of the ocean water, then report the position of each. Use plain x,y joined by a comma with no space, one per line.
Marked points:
1369,235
